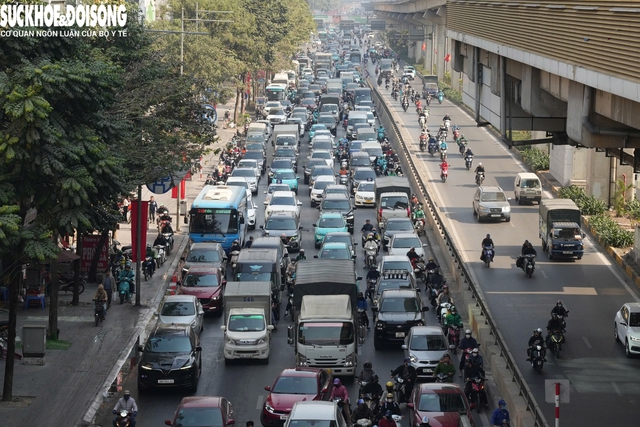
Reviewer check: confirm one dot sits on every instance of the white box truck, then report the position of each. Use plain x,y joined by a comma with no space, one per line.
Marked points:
247,321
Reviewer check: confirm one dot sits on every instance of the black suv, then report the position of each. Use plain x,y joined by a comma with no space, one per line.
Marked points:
398,310
171,358
338,203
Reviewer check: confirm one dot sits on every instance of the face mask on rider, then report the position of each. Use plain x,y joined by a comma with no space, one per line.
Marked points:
390,400
126,397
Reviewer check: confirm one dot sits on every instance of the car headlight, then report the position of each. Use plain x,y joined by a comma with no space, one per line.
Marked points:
580,248
186,367
483,208
413,358
350,360
146,367
635,339
380,326
230,341
506,209
262,340
216,298
302,360
269,408
359,197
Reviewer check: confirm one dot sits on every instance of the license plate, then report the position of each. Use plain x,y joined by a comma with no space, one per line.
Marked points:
495,216
165,381
244,355
369,200
399,334
567,252
283,417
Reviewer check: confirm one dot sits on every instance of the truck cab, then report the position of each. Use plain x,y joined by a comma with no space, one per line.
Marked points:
560,229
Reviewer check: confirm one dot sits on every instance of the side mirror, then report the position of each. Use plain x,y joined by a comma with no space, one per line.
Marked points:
223,328
264,192
301,228
324,390
424,245
313,225
404,347
318,207
186,220
266,202
353,257
241,220
285,255
198,348
267,387
201,313
231,422
584,235
299,203
270,328
261,227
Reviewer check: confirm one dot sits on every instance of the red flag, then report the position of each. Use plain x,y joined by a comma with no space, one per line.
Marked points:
134,228
183,193
447,57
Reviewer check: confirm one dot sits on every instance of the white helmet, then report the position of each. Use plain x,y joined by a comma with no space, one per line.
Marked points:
480,164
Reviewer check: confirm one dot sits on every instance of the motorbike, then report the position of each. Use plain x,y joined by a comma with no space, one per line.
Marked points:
98,311
478,395
462,147
443,311
442,378
537,360
362,321
456,133
371,258
447,124
418,226
440,98
124,290
479,178
423,145
555,342
344,163
398,388
340,402
169,238
443,154
233,260
528,265
405,106
487,255
454,337
468,161
444,174
344,180
162,256
431,273
419,268
432,149
123,419
371,288
147,267
422,121
65,284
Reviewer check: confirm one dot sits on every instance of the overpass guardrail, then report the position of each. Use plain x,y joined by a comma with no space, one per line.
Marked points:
463,271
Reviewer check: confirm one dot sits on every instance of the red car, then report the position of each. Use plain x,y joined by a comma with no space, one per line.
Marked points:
207,284
442,403
203,411
294,385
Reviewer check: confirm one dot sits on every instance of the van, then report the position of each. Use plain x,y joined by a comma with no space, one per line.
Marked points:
374,149
259,128
527,188
359,159
367,134
316,413
259,265
355,117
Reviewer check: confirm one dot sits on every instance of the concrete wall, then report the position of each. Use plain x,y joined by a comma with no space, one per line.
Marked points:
568,164
489,102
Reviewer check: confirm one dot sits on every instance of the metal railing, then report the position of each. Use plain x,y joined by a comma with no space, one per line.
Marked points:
410,166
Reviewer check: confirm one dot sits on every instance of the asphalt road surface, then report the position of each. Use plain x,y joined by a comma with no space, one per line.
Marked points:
603,381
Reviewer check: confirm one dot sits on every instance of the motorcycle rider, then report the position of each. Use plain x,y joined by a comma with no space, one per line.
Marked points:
445,118
235,246
367,227
535,340
371,244
372,275
487,241
413,257
467,342
362,305
443,146
340,391
431,264
373,387
500,414
101,295
468,153
151,253
418,213
414,200
408,374
127,275
453,318
444,297
472,371
554,324
444,167
560,310
477,358
389,406
445,366
161,241
479,169
126,403
361,411
162,210
301,256
527,249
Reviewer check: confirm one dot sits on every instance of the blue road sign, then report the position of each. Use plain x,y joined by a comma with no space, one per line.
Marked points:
211,114
161,186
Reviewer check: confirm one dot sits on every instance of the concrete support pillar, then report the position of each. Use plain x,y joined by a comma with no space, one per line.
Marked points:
599,168
440,47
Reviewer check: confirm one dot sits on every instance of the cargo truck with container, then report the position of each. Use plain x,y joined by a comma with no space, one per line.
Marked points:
247,321
392,198
325,330
560,229
286,135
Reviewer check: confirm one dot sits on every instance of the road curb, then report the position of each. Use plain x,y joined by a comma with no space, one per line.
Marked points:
89,416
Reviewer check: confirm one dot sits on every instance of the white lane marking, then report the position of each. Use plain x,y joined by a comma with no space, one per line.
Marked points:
259,404
615,387
587,343
565,291
543,274
512,224
606,262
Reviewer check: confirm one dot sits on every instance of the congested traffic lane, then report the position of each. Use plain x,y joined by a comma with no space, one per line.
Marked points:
243,383
592,289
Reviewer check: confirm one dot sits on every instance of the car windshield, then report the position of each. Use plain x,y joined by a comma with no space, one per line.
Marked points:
321,185
366,186
312,423
321,155
331,223
280,224
446,402
401,305
257,155
392,284
255,137
295,385
395,202
201,281
634,320
284,175
178,308
197,417
317,171
337,239
530,183
406,242
246,323
247,173
318,127
285,152
281,164
428,343
362,175
339,333
168,344
334,254
397,265
399,225
277,187
325,145
276,112
326,119
283,201
567,233
493,197
336,205
255,146
204,255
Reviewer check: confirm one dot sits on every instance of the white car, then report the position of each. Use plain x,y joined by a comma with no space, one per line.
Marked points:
276,116
250,175
402,242
323,154
365,195
409,72
252,210
250,163
272,104
318,187
283,201
325,134
182,310
272,188
627,328
240,181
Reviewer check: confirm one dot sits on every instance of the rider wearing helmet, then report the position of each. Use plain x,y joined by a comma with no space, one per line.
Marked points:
301,256
536,339
408,374
373,387
367,372
389,406
362,305
371,243
560,310
487,241
418,213
554,324
479,168
431,264
467,342
453,318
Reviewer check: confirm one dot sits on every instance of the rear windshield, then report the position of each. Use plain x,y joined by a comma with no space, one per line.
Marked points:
394,202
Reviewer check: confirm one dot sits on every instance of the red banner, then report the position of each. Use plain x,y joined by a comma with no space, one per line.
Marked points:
183,192
447,58
134,228
89,248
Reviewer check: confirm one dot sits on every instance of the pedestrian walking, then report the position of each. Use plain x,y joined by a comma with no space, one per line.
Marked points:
125,208
108,284
153,207
500,414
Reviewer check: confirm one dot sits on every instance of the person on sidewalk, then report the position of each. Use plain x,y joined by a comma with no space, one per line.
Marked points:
125,208
126,403
107,284
153,207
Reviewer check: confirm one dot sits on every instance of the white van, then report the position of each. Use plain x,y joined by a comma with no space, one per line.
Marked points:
527,188
260,128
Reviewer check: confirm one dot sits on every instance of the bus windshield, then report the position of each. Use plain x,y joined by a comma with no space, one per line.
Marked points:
216,221
275,94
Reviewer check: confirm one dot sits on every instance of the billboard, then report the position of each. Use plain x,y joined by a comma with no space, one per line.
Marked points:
378,24
89,248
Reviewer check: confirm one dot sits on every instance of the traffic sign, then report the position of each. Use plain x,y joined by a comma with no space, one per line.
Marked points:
161,186
211,115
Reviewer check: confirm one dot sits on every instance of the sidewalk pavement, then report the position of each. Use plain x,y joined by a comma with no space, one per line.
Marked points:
73,383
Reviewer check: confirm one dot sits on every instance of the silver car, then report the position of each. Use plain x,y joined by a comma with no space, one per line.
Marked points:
490,202
250,175
182,310
401,243
424,346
